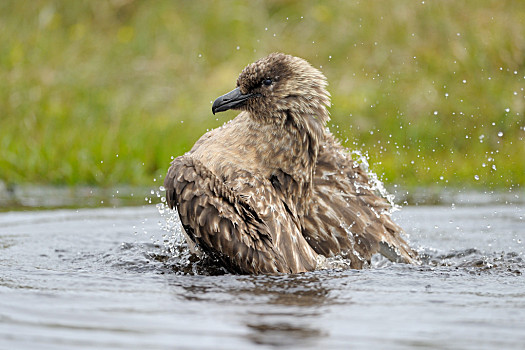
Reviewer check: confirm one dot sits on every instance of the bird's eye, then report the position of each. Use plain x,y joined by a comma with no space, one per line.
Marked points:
267,82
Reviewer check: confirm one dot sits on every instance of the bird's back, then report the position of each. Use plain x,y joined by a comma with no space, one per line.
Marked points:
347,216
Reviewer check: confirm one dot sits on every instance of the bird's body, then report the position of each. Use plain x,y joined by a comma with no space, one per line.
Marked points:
272,190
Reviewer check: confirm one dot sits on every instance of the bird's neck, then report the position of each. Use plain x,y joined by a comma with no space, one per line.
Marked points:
291,150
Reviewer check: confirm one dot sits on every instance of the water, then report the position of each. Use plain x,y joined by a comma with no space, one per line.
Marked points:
102,279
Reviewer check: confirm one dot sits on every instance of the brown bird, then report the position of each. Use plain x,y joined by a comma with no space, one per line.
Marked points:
273,191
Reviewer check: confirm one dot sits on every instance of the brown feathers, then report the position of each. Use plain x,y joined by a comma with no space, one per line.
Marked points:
272,190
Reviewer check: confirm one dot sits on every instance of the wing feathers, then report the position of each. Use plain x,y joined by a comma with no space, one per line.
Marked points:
347,216
242,231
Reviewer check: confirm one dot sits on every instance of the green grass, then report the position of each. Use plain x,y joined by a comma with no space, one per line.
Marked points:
106,92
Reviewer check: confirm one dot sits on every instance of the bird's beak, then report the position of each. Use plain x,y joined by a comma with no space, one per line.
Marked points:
231,100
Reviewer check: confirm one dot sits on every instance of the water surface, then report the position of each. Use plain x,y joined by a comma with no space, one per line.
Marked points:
104,279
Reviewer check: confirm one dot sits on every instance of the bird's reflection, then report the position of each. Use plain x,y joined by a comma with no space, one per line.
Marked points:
293,319
277,310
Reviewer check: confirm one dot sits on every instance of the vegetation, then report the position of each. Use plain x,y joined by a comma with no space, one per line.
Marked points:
107,92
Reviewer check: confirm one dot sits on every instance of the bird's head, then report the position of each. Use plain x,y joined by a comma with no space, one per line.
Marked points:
276,87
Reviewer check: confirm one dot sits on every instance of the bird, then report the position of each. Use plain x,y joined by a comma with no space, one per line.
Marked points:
272,190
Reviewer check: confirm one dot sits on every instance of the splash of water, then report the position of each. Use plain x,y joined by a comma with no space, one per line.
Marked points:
374,183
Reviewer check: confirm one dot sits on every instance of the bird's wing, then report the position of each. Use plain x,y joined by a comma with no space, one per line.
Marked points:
243,223
347,215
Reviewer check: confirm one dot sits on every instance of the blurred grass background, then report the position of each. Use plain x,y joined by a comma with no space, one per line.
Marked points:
106,92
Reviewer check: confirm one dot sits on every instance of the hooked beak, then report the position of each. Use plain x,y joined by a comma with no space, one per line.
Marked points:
232,100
